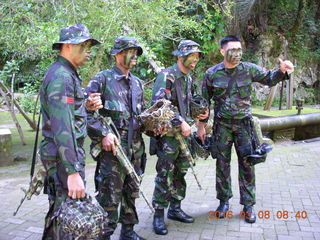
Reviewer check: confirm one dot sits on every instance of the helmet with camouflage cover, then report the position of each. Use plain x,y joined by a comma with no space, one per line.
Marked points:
259,155
125,42
198,105
81,218
187,47
74,34
200,149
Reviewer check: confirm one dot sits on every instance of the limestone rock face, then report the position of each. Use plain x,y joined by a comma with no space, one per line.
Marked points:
272,47
5,147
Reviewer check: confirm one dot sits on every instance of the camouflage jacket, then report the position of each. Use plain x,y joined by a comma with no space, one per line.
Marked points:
234,102
164,87
63,115
122,99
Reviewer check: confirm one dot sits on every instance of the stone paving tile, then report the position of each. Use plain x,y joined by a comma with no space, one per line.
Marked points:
20,233
288,181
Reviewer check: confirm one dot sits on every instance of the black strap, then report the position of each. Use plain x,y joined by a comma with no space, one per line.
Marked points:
178,87
130,130
96,175
33,164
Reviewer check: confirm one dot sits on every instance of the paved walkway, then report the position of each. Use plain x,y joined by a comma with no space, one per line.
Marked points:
288,183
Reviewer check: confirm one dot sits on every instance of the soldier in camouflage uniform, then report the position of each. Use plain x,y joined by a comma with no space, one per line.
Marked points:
229,85
122,97
172,166
64,123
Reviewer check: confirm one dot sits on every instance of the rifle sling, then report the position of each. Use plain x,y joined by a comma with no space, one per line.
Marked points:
33,164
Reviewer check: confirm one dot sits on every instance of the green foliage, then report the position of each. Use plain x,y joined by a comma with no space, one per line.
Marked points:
9,70
29,27
147,97
28,101
249,56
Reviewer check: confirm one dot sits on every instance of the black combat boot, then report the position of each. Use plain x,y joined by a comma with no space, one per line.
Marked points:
176,213
222,209
158,222
127,233
250,215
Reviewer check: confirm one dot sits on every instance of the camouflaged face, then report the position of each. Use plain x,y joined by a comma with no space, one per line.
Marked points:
186,47
81,218
125,42
74,34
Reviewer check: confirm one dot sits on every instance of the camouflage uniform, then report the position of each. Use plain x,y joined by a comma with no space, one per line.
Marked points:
122,98
231,91
172,165
63,127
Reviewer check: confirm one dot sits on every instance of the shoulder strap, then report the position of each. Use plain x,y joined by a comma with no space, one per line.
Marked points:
35,148
178,87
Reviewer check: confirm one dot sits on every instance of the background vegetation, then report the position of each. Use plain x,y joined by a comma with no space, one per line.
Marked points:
29,27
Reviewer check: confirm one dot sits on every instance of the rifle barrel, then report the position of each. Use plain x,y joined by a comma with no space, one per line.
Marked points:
185,148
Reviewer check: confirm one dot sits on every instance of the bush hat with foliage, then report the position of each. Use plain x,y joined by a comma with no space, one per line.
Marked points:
187,47
74,34
124,42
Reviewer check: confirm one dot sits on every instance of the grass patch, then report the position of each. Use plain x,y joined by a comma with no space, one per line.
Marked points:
25,151
280,113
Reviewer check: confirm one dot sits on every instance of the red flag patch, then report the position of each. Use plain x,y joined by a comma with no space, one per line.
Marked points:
168,91
70,100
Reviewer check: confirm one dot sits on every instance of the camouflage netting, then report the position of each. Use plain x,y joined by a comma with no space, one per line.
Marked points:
158,115
81,218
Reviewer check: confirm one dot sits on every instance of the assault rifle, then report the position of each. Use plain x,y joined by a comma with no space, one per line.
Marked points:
35,187
186,151
122,157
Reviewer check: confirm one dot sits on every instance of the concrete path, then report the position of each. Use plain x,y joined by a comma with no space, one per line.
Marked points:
288,186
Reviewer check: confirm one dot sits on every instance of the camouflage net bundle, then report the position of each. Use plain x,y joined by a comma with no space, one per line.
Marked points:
81,218
159,114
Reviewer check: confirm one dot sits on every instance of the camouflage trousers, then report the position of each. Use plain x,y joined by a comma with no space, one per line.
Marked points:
227,132
172,166
116,188
57,190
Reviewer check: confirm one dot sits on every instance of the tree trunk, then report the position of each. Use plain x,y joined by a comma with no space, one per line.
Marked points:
14,118
23,113
299,19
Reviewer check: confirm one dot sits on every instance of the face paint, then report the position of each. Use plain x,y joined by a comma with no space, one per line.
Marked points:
130,58
190,61
81,52
234,55
84,47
